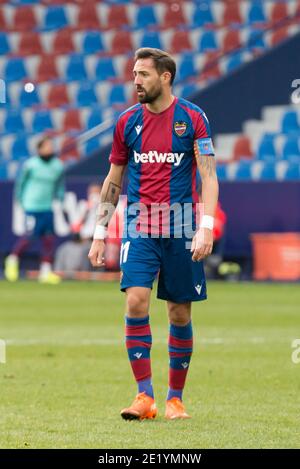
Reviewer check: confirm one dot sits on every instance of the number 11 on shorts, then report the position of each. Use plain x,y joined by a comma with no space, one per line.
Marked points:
124,252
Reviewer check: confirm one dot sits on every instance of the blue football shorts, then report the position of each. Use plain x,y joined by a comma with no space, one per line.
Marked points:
180,279
39,223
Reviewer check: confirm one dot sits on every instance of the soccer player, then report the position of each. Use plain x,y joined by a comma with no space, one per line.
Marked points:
41,181
161,140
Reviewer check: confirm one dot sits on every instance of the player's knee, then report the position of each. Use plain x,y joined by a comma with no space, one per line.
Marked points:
179,314
137,304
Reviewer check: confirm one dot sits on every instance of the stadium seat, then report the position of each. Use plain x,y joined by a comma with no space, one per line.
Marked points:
231,41
202,15
211,67
4,43
242,148
279,35
117,17
46,69
24,19
92,145
117,95
88,17
63,42
291,147
15,69
75,69
279,11
86,95
207,42
94,118
69,149
92,42
221,172
71,120
256,40
55,18
235,60
256,14
105,69
232,14
266,147
29,99
30,44
58,95
290,122
42,121
173,16
13,122
186,66
268,171
180,42
128,69
121,43
151,39
145,17
3,171
292,172
243,170
19,148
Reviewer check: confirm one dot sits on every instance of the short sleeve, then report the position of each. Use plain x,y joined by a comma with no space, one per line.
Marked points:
203,136
119,151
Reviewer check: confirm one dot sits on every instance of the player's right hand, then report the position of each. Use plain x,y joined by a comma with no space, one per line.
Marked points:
96,253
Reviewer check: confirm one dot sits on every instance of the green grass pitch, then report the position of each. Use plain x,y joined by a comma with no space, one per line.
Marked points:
67,377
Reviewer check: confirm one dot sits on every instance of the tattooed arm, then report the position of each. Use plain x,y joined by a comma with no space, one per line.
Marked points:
109,198
203,240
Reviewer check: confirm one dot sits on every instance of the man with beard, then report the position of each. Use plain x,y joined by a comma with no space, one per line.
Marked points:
162,140
39,184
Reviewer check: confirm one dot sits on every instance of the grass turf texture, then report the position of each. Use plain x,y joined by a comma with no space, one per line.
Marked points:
67,375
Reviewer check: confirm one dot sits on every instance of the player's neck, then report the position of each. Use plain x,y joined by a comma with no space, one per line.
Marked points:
161,104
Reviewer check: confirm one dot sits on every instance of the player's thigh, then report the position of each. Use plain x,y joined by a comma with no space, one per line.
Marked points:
181,280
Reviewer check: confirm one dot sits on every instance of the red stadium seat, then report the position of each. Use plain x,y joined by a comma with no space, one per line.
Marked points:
3,25
30,44
231,40
46,69
279,11
69,149
117,17
88,17
71,120
211,67
63,42
279,35
174,16
24,19
58,96
127,72
242,148
180,42
232,14
121,43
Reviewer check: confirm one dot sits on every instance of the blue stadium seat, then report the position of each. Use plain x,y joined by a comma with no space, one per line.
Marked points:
290,122
19,148
95,118
235,61
4,44
202,15
42,121
25,2
256,13
186,66
243,170
3,171
117,95
266,147
29,99
293,171
105,69
15,69
290,147
268,171
188,90
256,40
75,69
221,172
13,122
55,18
86,95
92,42
207,42
92,145
151,39
145,17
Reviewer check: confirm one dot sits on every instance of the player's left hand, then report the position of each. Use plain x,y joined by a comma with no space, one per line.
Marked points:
202,244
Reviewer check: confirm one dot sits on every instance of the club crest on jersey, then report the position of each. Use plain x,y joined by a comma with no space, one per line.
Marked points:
180,128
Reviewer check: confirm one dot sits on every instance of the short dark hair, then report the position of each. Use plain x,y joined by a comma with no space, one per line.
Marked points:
162,60
41,142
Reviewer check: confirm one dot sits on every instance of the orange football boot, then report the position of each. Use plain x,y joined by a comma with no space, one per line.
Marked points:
175,409
143,407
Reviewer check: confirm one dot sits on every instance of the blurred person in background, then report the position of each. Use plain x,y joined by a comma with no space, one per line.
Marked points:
40,182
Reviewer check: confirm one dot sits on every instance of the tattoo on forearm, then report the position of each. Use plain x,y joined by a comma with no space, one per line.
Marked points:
108,203
208,163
